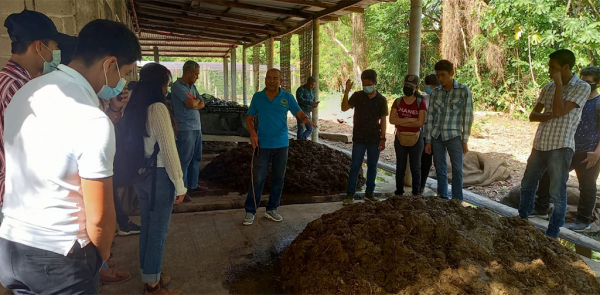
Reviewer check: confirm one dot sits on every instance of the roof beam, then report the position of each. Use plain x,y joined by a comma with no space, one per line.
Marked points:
215,13
178,34
221,23
185,51
171,44
290,12
341,5
182,55
322,5
213,29
199,33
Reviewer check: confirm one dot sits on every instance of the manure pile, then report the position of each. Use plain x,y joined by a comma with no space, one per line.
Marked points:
412,245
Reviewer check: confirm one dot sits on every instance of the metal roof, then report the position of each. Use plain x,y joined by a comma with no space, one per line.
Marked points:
210,28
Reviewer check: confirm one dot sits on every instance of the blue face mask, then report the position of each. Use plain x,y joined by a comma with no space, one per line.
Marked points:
428,89
52,65
368,89
108,92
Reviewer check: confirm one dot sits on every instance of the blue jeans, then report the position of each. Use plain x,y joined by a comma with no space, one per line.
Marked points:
189,146
260,170
155,222
556,163
304,131
414,154
455,150
358,156
122,217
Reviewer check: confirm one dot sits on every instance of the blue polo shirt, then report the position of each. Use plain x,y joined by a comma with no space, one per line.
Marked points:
272,117
187,119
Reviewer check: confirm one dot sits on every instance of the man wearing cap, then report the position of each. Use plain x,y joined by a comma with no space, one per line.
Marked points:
59,216
35,52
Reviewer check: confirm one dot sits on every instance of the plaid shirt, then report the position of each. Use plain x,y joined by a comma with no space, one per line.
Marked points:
305,96
12,78
450,113
560,132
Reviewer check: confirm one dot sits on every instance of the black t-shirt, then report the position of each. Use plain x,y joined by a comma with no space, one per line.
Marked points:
367,116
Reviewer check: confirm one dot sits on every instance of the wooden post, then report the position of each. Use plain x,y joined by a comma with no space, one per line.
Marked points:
225,80
315,74
414,41
244,94
270,53
233,75
156,56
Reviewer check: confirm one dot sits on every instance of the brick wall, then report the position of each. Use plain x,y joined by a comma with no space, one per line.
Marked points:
69,16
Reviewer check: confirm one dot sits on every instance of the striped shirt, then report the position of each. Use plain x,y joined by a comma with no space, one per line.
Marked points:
450,113
12,78
559,132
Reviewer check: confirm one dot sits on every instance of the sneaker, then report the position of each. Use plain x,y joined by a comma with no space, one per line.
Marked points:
274,215
538,214
249,219
371,197
129,229
348,200
578,226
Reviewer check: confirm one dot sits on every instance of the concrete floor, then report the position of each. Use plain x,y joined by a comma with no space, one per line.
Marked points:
200,247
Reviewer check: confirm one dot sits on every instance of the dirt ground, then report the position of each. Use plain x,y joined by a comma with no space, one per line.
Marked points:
494,134
412,245
311,168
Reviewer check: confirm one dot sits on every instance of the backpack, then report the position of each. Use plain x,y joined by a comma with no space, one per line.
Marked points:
130,164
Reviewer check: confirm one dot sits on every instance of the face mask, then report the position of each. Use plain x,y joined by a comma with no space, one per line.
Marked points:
408,91
428,89
108,92
593,86
368,89
50,66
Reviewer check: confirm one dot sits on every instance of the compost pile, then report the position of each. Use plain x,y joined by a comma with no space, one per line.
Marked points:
311,168
212,101
413,245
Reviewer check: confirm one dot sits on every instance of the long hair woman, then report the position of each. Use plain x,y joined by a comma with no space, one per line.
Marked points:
148,118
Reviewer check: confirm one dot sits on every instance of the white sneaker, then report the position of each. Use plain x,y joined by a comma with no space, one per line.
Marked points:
249,219
273,215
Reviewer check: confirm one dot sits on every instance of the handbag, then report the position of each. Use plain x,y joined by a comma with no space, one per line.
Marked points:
408,138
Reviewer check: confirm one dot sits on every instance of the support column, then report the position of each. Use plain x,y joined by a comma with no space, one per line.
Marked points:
225,80
233,75
156,56
414,43
270,53
315,74
244,94
205,76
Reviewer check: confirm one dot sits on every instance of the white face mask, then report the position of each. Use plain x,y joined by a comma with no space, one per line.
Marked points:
50,66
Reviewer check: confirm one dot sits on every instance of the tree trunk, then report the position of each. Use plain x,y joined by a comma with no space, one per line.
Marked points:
355,62
475,59
530,61
359,43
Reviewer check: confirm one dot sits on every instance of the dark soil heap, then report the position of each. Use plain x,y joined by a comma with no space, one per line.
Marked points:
429,246
311,168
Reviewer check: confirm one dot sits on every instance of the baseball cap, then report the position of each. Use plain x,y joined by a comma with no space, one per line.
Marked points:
30,25
411,80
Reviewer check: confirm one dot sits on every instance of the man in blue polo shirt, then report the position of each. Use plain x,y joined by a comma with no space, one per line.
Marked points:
270,143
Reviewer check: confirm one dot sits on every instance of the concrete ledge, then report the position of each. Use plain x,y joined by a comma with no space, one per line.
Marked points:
226,138
236,201
345,138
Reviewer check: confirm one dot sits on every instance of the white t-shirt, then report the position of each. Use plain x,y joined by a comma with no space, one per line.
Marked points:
54,135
